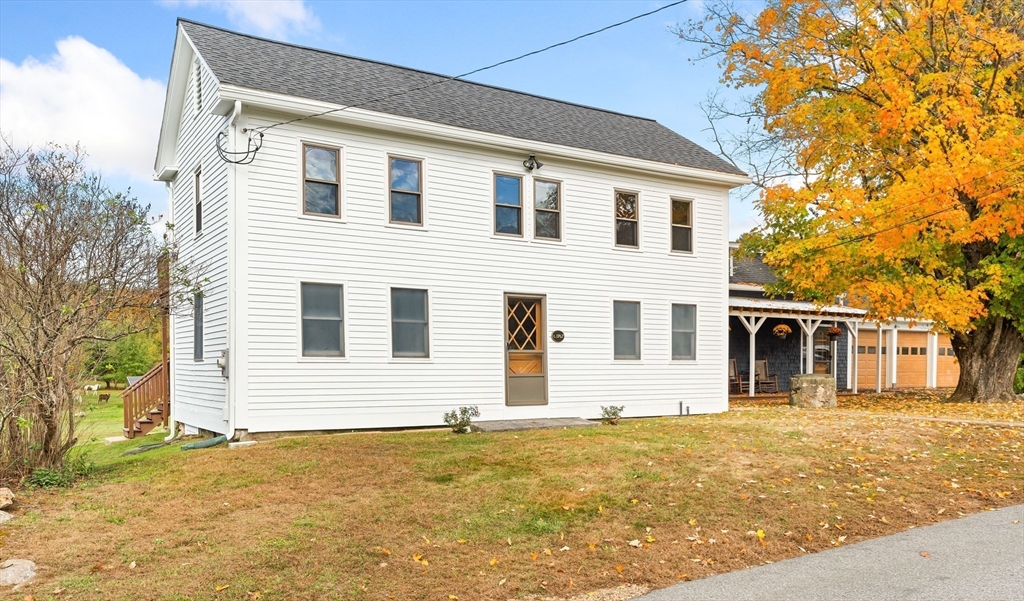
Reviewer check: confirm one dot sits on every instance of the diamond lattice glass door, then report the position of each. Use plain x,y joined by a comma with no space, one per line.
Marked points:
525,359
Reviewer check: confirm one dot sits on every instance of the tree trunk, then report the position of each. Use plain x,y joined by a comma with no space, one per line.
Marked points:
988,359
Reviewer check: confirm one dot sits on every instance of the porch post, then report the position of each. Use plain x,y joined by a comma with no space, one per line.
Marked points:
878,359
893,357
853,361
752,327
809,327
932,361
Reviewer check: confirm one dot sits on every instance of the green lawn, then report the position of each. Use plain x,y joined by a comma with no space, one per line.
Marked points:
559,513
101,419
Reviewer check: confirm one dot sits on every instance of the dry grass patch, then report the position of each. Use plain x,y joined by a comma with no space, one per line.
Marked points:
425,515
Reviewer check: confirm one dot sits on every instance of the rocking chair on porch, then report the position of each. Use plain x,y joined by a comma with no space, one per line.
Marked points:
736,383
765,381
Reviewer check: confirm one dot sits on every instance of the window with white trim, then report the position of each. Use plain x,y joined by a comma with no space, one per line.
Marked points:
684,332
323,320
197,327
410,327
626,316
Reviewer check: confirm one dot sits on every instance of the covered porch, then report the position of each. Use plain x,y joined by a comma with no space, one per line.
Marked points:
755,336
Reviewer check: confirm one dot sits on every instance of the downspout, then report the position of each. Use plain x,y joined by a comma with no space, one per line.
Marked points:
172,426
232,172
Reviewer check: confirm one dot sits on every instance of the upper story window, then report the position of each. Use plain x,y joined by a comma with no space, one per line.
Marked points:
682,226
547,219
627,219
409,323
626,317
323,321
508,205
197,327
406,191
199,201
321,173
684,331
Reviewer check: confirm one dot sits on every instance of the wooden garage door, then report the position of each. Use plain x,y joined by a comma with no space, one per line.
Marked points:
912,364
866,357
949,369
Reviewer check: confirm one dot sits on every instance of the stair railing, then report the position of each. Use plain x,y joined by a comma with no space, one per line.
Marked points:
145,395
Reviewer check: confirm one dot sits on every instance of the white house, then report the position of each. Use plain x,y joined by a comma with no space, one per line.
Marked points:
440,243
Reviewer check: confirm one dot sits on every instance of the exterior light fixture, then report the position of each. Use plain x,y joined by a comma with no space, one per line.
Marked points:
532,163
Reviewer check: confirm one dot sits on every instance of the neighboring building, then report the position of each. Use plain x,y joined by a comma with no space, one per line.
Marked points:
381,265
923,358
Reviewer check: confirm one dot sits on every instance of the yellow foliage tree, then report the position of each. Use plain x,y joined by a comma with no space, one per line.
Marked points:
901,124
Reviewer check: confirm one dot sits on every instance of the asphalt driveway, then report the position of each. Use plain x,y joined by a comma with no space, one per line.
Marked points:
979,557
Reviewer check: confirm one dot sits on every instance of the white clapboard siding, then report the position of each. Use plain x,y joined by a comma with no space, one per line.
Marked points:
466,270
198,390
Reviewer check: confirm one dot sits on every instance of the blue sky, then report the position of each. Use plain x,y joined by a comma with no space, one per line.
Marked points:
95,71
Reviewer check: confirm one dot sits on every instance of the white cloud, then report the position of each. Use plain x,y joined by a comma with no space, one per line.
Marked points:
84,94
274,18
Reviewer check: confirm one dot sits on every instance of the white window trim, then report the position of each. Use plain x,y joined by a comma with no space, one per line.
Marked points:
299,281
300,206
639,221
493,187
407,156
640,344
430,324
696,320
692,226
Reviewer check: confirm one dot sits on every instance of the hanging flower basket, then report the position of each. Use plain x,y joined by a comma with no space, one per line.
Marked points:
834,332
782,330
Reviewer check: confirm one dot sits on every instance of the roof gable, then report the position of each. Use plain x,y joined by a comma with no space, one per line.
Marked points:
260,64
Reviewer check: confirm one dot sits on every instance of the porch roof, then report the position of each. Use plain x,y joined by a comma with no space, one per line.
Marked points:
787,308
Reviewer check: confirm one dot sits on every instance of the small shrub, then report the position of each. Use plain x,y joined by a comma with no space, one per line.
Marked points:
63,477
611,415
459,421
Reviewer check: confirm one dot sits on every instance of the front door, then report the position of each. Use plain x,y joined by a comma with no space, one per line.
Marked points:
525,360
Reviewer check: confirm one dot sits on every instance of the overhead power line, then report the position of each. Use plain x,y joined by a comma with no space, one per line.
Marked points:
254,144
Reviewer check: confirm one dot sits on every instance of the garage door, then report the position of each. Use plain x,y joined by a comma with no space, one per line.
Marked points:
912,365
949,369
866,357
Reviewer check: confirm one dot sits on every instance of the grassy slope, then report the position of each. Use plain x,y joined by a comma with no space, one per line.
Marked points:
424,515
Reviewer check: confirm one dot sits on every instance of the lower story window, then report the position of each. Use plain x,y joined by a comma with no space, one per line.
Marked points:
409,323
323,321
684,331
197,327
626,316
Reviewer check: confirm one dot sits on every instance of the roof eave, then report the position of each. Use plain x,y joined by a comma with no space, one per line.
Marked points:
294,105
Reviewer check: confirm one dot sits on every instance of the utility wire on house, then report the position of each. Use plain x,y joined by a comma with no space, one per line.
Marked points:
255,143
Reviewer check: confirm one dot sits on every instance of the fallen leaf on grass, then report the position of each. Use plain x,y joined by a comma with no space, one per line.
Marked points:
534,556
462,541
635,543
453,597
221,587
693,521
254,595
494,561
760,537
618,568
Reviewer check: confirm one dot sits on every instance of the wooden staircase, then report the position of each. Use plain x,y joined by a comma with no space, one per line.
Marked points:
147,402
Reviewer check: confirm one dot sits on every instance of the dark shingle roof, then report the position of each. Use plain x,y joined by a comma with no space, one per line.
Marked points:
260,64
751,271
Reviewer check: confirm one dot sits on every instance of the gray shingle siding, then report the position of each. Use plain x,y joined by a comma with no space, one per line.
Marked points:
265,65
